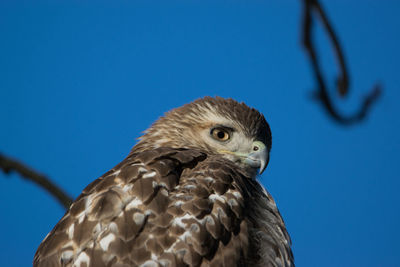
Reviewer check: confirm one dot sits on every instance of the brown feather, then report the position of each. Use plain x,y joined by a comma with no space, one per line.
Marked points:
174,201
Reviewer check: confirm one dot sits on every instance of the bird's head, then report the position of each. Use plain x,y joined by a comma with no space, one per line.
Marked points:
217,126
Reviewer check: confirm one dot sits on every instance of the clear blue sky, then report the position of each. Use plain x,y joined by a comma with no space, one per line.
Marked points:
79,82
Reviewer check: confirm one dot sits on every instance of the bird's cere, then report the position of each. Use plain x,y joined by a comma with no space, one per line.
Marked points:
258,158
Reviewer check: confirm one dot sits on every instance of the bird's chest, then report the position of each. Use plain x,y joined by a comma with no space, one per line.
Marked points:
268,239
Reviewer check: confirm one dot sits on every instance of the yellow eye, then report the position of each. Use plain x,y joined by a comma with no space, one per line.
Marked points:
220,134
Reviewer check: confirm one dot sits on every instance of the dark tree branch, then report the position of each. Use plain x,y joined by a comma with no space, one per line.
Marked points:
8,165
312,9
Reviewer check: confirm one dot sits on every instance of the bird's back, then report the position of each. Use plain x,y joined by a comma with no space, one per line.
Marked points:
168,207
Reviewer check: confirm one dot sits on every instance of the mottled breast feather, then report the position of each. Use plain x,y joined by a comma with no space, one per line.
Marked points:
169,207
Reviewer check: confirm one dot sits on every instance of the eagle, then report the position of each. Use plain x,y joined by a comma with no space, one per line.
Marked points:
186,195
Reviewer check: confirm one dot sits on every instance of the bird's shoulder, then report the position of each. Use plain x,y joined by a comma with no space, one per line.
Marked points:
163,206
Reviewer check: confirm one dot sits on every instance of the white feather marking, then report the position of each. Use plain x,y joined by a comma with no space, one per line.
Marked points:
137,164
105,241
232,202
178,203
149,263
164,263
187,197
162,184
90,244
66,255
88,206
214,197
141,169
180,238
88,202
178,220
170,249
127,187
194,227
163,191
185,235
221,212
209,220
149,174
148,212
96,229
70,231
138,218
161,141
81,217
82,258
116,172
236,194
189,186
135,203
113,227
209,179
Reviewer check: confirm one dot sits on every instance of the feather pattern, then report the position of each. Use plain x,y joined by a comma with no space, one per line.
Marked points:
171,206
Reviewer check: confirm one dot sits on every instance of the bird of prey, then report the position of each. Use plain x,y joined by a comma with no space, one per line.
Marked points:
186,195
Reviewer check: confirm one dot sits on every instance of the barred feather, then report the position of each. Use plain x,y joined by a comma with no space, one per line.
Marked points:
173,206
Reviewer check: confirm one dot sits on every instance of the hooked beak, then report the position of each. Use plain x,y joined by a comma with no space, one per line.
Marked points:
257,158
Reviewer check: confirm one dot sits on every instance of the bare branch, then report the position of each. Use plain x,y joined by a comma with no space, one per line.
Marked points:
8,165
342,84
312,9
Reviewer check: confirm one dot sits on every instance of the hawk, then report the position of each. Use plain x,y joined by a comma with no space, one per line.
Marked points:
186,195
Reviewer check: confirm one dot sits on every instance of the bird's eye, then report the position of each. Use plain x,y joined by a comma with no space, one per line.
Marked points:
220,134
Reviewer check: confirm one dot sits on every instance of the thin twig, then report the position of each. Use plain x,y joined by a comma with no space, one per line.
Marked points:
8,165
343,79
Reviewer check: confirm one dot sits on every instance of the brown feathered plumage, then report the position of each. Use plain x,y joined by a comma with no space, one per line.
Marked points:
185,196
